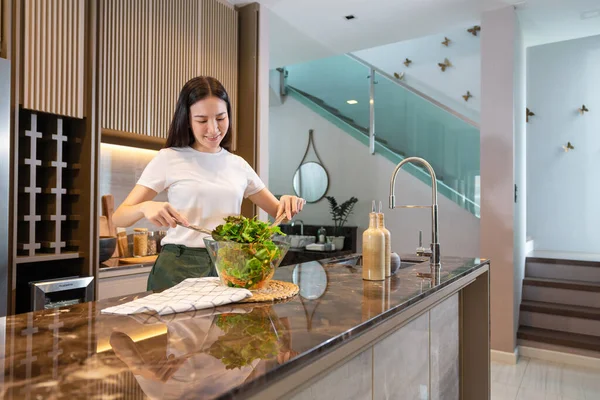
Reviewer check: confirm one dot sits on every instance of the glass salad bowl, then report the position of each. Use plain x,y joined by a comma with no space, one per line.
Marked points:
247,265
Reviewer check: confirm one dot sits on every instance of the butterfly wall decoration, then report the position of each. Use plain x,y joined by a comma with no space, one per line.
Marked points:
568,147
445,64
407,62
583,109
399,76
474,30
467,96
528,113
446,41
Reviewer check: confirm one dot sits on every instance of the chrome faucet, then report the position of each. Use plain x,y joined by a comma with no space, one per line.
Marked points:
298,221
434,252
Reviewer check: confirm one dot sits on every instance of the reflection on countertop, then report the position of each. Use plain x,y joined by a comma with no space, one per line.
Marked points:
228,351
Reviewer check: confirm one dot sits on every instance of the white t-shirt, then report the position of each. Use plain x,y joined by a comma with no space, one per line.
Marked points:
203,187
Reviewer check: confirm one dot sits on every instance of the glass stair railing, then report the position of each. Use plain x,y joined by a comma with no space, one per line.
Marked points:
404,121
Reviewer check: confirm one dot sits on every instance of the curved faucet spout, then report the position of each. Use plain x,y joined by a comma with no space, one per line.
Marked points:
416,160
435,245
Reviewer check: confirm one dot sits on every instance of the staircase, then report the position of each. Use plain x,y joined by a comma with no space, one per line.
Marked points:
406,123
560,309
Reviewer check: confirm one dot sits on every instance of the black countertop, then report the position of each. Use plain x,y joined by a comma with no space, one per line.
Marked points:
77,352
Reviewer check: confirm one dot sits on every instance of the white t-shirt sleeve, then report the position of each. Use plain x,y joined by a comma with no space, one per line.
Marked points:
155,173
255,184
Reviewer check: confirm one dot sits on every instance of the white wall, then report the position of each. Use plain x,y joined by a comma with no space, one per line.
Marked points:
499,55
424,73
520,169
563,190
354,172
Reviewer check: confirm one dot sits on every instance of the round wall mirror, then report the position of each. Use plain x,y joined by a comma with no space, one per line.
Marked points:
311,182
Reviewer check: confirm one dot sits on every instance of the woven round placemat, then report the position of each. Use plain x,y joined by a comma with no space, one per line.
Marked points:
275,290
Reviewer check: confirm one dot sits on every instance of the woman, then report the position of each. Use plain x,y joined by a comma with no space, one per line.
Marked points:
205,183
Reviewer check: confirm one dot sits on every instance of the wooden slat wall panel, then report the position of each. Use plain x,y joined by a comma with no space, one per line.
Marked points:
125,39
218,56
176,42
53,59
150,48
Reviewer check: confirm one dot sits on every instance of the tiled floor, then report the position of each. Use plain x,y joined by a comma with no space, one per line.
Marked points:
533,379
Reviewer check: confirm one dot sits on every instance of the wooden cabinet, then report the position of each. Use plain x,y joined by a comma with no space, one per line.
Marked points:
54,56
122,282
149,49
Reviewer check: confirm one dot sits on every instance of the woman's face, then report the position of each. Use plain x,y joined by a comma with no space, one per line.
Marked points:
209,122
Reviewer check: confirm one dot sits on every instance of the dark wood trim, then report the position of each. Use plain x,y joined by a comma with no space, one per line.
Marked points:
474,309
560,261
568,339
47,257
563,284
15,54
247,118
564,310
6,31
132,139
92,113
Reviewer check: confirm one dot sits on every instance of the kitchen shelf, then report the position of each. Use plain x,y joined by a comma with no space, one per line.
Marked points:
52,245
70,140
51,164
29,218
29,189
29,246
130,139
68,192
52,217
48,257
30,162
59,196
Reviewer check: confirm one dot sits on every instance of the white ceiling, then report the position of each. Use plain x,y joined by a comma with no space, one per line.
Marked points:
548,21
301,30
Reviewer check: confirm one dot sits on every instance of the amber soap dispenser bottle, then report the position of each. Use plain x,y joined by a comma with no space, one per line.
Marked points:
373,268
388,241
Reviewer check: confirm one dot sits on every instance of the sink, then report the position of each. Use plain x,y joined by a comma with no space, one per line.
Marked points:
300,241
406,264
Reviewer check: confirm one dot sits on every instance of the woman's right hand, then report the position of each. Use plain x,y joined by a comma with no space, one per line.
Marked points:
162,214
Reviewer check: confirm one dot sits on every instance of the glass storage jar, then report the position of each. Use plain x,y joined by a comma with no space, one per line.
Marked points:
152,237
161,236
140,242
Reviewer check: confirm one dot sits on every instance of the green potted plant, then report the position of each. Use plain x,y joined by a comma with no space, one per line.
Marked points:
339,214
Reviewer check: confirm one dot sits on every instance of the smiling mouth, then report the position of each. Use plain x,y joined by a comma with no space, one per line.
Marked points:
212,138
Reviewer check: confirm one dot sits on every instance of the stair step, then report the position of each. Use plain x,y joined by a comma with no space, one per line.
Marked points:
562,323
574,270
563,284
561,296
561,309
573,340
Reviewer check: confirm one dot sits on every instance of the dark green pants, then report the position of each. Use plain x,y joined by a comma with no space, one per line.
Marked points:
176,263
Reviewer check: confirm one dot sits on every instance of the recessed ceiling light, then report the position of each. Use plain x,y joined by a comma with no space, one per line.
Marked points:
352,102
590,14
349,17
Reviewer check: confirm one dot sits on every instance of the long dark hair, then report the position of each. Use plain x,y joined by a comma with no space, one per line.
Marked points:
196,89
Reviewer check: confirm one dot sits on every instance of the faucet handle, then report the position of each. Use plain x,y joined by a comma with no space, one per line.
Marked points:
421,251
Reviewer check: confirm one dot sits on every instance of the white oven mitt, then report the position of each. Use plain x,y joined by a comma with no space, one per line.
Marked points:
190,295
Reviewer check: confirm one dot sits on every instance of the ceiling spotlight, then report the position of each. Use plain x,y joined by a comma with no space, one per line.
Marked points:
352,102
349,17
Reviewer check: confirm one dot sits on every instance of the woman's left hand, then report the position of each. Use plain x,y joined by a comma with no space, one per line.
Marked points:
291,205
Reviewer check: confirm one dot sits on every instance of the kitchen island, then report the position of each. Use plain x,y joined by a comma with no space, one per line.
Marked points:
340,338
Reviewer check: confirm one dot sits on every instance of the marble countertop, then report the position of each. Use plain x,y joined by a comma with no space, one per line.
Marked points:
76,352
